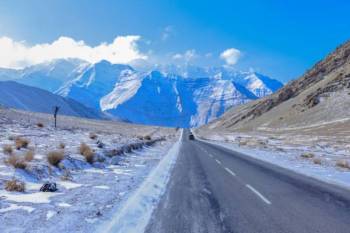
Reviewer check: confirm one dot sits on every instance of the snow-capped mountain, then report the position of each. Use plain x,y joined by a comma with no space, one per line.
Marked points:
97,81
19,96
184,96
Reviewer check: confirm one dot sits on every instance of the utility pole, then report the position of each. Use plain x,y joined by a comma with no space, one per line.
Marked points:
55,111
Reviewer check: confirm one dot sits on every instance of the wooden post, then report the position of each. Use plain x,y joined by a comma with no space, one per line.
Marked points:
55,111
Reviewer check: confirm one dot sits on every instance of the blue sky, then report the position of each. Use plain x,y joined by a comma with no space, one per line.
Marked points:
278,38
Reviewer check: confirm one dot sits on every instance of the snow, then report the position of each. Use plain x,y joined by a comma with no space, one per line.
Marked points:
50,214
136,212
17,207
86,192
39,197
69,185
64,204
101,187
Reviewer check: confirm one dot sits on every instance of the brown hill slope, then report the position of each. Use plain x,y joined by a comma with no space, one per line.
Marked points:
320,96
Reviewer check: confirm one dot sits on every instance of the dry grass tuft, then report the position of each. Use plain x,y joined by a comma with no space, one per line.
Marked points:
317,161
93,136
307,155
55,157
15,186
87,152
40,125
21,143
61,146
83,147
66,176
16,162
29,155
343,163
7,149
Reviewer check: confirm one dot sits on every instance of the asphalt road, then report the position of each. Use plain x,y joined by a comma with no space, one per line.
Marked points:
213,189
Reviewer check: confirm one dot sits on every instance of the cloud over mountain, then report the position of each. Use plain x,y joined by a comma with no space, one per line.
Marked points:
17,54
230,56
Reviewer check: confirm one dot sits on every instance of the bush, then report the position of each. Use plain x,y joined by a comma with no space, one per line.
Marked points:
147,137
16,162
21,143
93,136
317,161
14,186
61,146
83,147
87,152
307,155
55,157
343,164
40,125
29,155
7,149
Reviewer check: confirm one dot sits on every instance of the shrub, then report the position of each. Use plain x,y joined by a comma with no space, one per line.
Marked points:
66,176
29,155
92,136
317,161
40,125
61,146
21,143
343,163
87,152
7,149
83,147
55,157
15,185
16,162
147,137
307,155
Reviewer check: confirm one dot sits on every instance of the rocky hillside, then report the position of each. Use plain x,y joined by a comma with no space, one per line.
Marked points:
321,95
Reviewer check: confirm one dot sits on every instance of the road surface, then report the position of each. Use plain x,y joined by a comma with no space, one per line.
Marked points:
213,189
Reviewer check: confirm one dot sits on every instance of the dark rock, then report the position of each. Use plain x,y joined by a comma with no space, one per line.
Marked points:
48,187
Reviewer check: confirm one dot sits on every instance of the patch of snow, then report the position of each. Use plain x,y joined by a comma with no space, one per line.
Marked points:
50,214
64,204
39,197
101,187
17,207
69,185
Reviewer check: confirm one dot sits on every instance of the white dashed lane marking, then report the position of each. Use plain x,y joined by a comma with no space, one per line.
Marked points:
229,171
259,194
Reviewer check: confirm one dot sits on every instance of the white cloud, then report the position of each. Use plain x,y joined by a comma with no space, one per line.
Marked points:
187,56
17,54
168,30
230,56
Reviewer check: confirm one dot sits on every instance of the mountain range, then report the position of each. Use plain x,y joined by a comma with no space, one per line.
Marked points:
176,96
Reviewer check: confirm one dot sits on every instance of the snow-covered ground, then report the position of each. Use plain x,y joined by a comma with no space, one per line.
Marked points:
88,194
313,156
